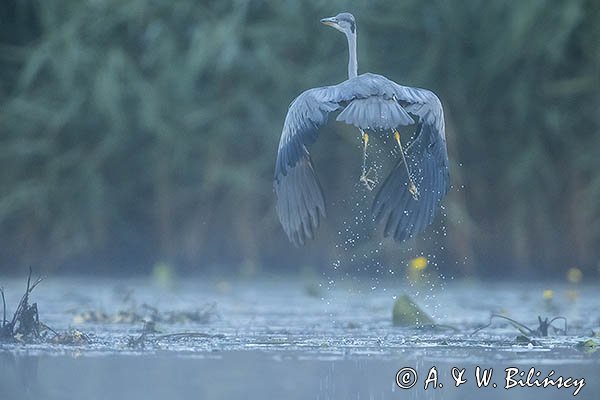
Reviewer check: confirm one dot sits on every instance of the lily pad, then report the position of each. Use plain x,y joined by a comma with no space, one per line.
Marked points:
588,346
407,313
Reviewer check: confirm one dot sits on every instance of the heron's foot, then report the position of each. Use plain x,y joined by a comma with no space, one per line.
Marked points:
367,180
413,190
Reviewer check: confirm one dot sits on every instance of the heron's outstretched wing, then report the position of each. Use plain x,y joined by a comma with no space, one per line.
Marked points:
300,201
427,158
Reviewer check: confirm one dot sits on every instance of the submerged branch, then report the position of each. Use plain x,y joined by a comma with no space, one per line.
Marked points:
541,330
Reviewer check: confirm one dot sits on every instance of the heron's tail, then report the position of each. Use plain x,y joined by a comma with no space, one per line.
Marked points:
404,216
300,201
375,113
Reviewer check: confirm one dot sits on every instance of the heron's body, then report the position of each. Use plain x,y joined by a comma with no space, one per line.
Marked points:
372,103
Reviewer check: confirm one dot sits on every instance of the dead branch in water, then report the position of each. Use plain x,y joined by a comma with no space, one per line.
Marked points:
540,331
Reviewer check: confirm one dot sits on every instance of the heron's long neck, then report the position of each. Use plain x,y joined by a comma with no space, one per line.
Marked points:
352,60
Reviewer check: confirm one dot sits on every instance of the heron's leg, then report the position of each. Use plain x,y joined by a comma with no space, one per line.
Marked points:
365,138
364,177
412,188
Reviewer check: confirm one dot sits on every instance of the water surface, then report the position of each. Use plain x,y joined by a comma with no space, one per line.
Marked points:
287,339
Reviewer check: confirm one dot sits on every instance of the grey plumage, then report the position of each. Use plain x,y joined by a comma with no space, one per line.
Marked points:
300,202
369,102
375,113
404,216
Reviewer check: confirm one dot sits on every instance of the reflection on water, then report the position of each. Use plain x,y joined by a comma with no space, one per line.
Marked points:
268,375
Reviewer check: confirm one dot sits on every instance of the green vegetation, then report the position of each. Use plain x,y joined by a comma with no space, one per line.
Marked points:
136,132
587,346
407,313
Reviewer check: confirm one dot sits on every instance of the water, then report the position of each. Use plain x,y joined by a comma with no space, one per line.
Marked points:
280,339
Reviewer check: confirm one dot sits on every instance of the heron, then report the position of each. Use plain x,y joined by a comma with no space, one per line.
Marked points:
409,197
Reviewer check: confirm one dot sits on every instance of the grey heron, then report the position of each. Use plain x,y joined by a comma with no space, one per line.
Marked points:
409,197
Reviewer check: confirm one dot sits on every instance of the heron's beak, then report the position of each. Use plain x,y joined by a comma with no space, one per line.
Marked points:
332,21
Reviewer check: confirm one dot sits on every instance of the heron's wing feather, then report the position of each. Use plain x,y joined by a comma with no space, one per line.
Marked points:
306,114
427,158
300,201
404,216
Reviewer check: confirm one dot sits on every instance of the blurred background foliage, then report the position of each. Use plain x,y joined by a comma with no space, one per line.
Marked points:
144,131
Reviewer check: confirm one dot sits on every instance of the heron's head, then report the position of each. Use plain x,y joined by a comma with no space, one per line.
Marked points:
343,22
